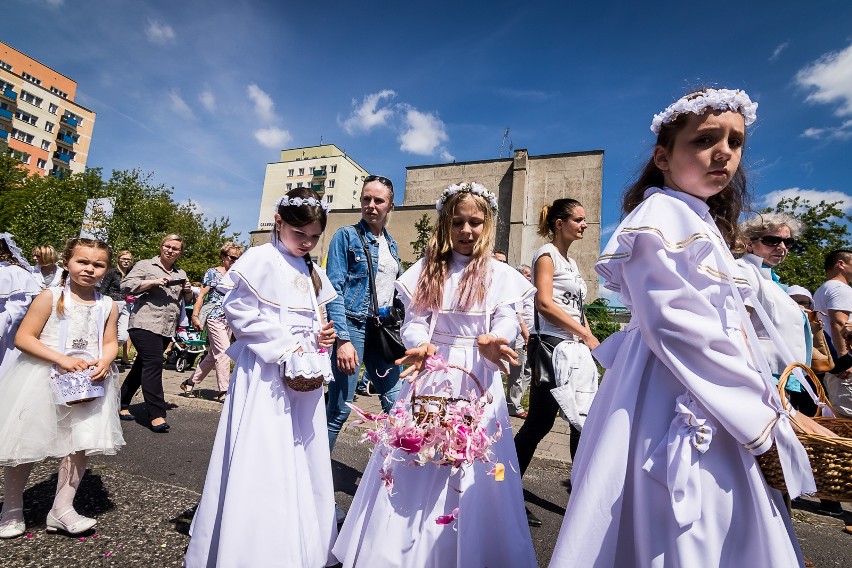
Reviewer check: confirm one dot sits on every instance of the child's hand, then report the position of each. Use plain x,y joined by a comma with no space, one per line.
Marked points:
497,350
415,358
101,369
69,364
327,335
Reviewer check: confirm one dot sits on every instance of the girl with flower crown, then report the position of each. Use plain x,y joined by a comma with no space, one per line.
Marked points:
268,498
665,474
456,314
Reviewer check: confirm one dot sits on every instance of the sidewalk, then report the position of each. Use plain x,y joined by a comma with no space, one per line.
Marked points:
553,449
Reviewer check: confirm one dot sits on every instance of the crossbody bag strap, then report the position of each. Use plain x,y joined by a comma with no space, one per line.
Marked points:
370,270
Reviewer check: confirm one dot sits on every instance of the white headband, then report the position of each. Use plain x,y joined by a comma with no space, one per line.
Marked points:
697,103
302,201
467,187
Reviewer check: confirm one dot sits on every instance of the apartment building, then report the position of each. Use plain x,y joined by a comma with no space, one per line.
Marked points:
40,124
326,169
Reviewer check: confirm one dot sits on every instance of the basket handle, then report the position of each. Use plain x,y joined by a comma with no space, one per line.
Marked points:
823,399
437,363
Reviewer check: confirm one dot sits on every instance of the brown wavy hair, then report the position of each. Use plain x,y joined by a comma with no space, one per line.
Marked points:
68,253
475,280
726,206
301,216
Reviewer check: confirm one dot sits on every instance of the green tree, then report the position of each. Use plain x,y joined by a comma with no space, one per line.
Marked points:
424,230
826,228
600,319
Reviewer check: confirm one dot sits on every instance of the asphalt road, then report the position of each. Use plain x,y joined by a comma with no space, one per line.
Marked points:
144,497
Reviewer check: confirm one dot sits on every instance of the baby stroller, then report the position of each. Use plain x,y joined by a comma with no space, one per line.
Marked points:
187,344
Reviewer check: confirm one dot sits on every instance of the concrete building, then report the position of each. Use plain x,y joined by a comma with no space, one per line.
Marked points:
326,169
40,124
523,184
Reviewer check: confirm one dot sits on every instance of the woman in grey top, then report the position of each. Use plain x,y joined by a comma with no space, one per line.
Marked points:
159,286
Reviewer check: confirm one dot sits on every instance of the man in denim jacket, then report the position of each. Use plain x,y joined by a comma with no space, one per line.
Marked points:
347,269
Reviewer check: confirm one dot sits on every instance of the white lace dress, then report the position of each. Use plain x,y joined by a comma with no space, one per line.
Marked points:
33,426
17,289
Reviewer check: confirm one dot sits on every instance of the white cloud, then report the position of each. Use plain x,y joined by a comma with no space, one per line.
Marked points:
179,106
842,132
208,100
273,137
446,156
424,132
159,33
263,105
814,196
830,80
778,51
367,116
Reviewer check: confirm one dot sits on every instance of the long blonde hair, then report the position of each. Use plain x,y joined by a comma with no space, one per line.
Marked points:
476,278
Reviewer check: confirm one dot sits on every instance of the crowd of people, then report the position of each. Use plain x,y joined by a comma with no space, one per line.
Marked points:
663,446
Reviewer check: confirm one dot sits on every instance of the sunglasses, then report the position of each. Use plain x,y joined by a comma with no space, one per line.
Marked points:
773,241
173,249
232,258
381,179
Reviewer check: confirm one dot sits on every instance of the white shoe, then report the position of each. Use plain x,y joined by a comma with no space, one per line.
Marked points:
55,524
339,515
12,529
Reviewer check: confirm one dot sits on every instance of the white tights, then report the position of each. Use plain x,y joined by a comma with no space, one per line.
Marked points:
71,470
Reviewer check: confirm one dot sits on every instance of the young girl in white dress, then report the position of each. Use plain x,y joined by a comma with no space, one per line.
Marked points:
665,474
268,498
34,422
17,290
461,305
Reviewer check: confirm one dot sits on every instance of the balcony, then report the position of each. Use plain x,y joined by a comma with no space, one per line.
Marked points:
5,113
4,135
65,139
9,94
319,189
62,157
69,121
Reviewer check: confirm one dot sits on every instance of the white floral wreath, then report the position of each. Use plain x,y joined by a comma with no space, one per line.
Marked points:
717,99
467,187
300,201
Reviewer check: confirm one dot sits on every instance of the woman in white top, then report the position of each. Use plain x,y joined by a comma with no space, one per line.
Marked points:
46,271
768,238
560,291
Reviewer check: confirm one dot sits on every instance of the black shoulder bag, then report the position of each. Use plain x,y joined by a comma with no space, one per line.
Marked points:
540,349
385,331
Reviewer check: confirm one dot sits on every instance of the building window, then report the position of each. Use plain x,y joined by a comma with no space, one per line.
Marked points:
48,126
77,117
329,198
53,108
4,86
45,144
26,117
42,163
56,91
289,173
330,183
299,184
22,136
31,98
334,169
4,65
22,157
301,172
30,78
289,185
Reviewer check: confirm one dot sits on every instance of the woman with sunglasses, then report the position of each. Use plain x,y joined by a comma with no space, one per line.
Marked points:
218,332
768,238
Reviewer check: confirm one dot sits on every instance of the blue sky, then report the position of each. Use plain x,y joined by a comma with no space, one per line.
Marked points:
204,93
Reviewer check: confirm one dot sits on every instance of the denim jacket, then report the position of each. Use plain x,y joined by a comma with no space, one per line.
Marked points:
346,267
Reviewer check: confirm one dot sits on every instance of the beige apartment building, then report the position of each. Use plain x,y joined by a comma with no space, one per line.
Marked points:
40,124
326,169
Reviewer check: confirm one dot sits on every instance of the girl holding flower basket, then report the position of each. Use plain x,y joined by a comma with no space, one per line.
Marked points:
442,488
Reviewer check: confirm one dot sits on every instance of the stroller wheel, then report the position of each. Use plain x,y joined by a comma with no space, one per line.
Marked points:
180,364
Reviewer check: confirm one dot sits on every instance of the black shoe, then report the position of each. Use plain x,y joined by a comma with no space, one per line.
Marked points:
161,428
126,417
830,508
360,391
532,520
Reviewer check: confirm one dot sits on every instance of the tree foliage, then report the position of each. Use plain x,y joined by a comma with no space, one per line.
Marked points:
424,229
826,228
600,319
47,210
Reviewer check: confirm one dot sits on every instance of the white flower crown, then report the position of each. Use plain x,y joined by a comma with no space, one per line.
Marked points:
697,103
300,201
467,187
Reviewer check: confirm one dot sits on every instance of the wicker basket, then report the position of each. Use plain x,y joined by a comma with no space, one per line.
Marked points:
831,458
430,408
305,384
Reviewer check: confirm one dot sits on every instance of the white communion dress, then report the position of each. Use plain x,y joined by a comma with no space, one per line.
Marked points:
268,497
17,290
33,425
665,474
399,528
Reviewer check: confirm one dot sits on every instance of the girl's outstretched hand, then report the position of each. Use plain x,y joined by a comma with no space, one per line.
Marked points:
497,350
415,358
69,364
101,369
327,335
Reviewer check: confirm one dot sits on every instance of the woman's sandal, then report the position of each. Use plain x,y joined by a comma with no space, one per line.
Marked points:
188,387
221,396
